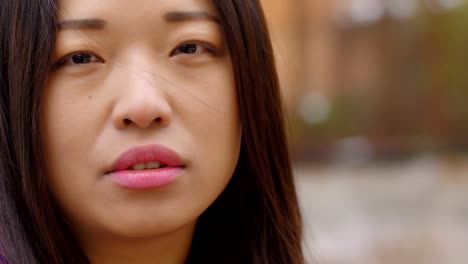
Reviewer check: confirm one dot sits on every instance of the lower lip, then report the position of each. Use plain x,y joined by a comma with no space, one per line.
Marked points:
145,179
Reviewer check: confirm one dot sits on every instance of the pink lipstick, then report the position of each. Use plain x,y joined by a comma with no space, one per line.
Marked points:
146,167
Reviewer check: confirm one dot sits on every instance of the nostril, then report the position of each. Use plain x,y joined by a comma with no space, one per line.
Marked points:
127,121
158,120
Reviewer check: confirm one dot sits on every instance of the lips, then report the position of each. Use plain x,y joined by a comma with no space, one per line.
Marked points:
146,167
150,154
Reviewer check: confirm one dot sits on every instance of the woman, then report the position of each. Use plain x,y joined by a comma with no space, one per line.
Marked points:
147,133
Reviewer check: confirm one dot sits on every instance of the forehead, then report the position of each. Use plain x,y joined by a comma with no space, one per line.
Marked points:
122,9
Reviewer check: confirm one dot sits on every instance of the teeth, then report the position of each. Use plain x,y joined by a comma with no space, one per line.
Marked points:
139,166
147,165
153,165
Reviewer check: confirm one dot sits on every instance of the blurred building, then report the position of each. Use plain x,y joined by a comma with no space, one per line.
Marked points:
386,72
377,97
385,81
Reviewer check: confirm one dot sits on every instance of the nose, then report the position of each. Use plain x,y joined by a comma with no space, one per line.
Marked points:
142,102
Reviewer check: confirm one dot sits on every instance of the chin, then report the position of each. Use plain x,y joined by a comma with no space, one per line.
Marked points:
148,223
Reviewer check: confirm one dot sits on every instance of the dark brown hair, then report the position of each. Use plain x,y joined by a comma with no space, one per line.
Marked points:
255,220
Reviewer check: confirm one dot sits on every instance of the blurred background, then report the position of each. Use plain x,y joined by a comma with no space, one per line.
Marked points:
377,99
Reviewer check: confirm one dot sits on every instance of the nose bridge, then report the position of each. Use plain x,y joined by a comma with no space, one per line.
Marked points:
141,83
141,67
142,99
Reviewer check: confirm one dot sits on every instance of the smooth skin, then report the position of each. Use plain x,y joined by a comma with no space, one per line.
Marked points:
128,74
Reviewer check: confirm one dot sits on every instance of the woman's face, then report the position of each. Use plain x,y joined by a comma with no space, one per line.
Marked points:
140,121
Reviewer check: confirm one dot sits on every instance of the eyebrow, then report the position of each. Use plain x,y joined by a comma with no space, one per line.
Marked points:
94,24
182,16
173,16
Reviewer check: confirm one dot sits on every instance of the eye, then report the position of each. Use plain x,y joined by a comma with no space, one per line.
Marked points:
193,48
78,58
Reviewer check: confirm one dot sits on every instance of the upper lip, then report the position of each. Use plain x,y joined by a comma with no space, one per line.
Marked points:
147,153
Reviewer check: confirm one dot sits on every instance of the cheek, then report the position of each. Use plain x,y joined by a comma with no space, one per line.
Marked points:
208,112
216,130
209,109
67,131
73,114
65,112
210,103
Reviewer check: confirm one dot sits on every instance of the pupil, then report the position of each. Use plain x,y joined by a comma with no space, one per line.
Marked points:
188,48
81,58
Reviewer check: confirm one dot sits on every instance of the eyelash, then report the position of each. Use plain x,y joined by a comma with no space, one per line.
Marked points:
91,57
205,46
69,59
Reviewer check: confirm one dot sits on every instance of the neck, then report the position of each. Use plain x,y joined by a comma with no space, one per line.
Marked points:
171,248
